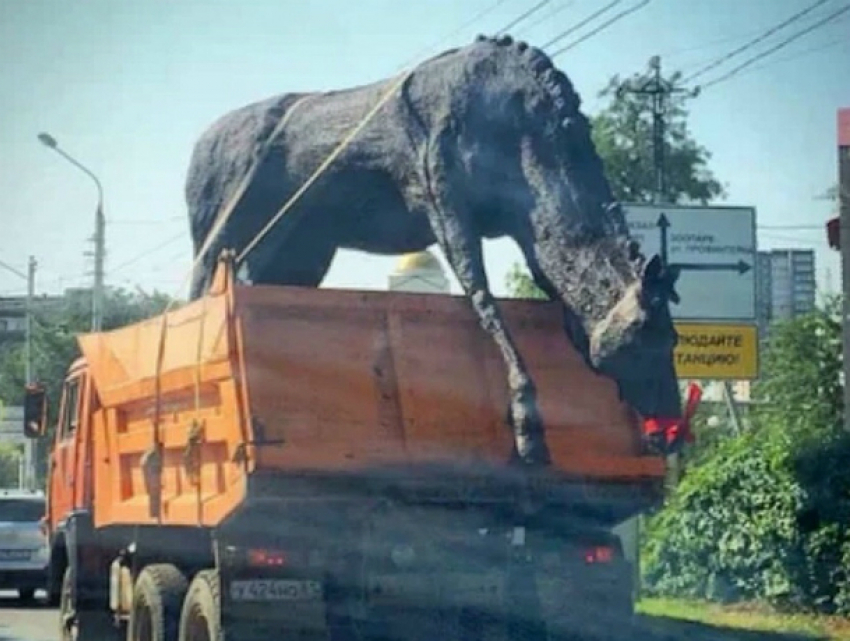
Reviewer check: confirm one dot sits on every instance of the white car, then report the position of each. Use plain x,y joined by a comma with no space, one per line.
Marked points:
24,552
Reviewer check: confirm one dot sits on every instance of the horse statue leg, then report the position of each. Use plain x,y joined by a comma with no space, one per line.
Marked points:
452,224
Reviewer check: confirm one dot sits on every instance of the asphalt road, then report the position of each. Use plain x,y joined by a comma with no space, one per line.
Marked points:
21,621
36,622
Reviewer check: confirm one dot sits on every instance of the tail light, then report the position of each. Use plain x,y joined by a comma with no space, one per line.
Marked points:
599,554
259,557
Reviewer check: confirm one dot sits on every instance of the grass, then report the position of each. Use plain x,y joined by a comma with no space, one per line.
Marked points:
751,617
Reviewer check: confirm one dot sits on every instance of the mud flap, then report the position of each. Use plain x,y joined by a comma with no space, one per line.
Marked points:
90,585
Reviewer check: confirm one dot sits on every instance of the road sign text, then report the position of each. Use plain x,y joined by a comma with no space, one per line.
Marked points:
716,351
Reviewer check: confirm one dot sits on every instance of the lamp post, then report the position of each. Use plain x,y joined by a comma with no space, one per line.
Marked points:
25,480
99,230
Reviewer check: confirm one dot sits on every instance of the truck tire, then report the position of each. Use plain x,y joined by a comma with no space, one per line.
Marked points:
157,599
77,624
201,616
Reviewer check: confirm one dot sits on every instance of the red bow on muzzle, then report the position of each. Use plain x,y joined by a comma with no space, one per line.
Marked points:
673,431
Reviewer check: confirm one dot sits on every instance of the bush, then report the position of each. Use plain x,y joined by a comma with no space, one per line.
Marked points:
766,516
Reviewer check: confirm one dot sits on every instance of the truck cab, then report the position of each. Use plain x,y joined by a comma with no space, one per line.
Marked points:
69,478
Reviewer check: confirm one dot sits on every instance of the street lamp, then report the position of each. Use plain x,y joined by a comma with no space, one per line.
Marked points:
25,480
99,230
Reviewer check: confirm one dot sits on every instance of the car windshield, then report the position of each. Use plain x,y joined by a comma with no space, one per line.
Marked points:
20,511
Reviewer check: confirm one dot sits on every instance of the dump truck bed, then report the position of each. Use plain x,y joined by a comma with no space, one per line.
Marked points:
284,383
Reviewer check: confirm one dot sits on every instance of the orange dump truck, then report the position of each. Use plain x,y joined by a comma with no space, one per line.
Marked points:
270,461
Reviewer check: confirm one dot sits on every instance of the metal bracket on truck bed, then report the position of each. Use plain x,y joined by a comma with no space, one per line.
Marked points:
152,473
192,452
240,454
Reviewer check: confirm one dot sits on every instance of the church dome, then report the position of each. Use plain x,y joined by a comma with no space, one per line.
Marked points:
418,261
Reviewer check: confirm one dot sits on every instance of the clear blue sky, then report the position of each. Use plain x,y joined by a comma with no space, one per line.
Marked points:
127,87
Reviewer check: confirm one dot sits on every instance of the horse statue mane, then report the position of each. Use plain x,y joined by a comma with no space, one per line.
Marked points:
483,141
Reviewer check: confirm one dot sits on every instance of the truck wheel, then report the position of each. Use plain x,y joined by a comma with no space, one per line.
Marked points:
80,624
157,598
201,616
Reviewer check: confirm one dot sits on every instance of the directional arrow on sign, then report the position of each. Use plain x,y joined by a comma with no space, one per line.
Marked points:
663,225
742,267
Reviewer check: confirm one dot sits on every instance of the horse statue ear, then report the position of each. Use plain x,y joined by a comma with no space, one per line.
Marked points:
671,275
652,271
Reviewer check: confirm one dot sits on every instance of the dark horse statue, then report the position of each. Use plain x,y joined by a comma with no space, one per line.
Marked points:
483,141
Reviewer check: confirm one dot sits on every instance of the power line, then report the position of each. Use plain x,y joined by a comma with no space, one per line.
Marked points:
799,54
779,46
548,16
709,44
660,90
751,43
580,24
793,227
146,221
459,29
601,27
523,16
14,270
146,253
806,242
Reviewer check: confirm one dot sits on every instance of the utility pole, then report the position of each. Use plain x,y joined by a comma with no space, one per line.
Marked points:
99,232
29,459
99,240
660,91
844,240
25,468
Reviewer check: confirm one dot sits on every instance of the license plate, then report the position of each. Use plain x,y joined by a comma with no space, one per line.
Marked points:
275,590
15,555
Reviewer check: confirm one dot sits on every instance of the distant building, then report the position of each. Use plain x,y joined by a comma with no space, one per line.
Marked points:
13,311
763,289
785,285
421,273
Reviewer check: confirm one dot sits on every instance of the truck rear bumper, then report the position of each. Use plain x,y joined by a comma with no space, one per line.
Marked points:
493,605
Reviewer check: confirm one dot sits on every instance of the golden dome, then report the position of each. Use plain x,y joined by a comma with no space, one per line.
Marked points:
418,261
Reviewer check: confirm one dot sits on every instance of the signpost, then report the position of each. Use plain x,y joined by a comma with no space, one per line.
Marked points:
715,249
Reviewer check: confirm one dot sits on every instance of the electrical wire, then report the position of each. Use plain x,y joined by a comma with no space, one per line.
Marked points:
14,270
458,30
751,43
147,221
707,45
145,254
523,16
601,27
790,227
799,54
581,23
548,16
777,47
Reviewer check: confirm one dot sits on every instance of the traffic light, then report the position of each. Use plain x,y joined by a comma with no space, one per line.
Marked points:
833,233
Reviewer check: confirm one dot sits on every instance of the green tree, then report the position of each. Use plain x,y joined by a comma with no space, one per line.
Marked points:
766,515
54,343
9,457
623,135
520,284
